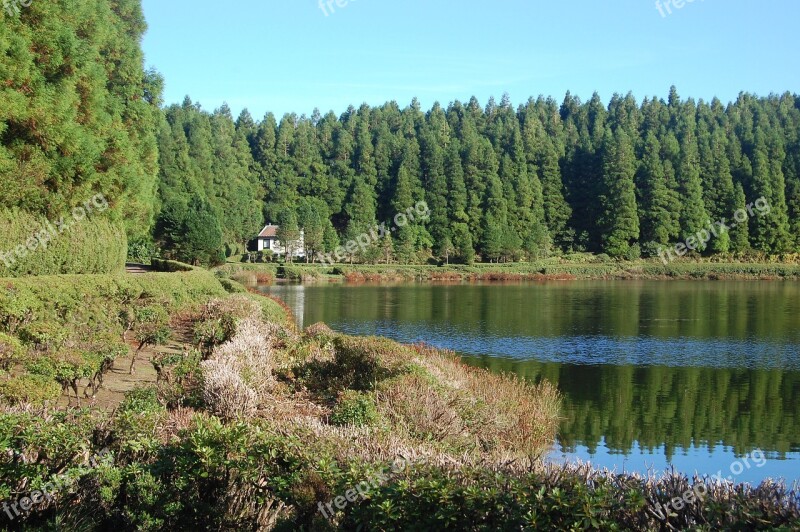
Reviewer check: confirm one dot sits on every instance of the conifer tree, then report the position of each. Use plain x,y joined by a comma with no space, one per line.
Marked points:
619,219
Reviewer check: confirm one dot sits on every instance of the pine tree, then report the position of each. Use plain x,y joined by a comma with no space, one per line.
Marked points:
202,235
739,231
657,205
694,218
620,220
557,211
769,231
436,193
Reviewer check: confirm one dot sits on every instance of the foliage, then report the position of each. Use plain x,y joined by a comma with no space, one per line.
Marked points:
92,246
504,183
354,408
29,389
79,117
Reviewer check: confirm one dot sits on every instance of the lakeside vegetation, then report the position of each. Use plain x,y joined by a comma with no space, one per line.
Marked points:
577,266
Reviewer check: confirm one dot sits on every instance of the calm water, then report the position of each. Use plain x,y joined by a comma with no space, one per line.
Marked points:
653,374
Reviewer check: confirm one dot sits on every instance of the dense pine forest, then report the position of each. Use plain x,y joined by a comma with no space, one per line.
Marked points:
502,183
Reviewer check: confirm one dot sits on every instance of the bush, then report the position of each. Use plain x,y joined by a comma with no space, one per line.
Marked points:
171,266
29,389
11,351
141,251
232,287
633,253
92,246
354,408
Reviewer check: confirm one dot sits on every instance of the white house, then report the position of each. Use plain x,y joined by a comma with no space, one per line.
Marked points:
267,239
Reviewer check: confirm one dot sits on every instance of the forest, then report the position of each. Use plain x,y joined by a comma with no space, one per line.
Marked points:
503,183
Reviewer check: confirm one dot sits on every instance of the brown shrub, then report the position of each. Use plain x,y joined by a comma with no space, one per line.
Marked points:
426,413
319,329
224,390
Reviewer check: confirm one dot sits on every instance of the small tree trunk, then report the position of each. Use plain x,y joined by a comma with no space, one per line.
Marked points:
132,370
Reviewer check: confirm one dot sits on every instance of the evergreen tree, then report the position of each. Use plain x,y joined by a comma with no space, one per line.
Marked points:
739,231
557,211
693,213
619,221
288,233
201,235
657,203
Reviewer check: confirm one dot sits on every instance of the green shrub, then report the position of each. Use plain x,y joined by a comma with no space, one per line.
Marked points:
29,389
171,266
232,287
11,351
91,246
141,251
354,408
633,253
44,335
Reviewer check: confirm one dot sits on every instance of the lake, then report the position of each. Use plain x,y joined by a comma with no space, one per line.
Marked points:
702,376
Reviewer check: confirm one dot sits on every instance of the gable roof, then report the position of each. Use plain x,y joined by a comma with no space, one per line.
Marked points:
269,231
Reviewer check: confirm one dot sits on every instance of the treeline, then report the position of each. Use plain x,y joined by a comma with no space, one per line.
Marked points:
502,183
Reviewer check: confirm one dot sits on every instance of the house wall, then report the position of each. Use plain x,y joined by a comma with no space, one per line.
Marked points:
277,247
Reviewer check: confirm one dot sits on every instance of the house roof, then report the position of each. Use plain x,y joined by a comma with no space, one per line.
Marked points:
269,231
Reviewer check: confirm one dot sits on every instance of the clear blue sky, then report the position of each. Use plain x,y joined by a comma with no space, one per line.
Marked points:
288,56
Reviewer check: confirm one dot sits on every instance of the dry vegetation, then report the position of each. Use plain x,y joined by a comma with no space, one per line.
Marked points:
372,398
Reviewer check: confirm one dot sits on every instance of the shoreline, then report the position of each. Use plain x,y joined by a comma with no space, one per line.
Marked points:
543,271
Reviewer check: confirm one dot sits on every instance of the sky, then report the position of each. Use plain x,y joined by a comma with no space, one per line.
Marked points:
287,56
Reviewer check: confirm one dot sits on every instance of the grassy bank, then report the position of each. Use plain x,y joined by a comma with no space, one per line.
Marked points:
256,425
579,267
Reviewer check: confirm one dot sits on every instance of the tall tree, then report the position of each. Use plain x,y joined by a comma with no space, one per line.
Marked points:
658,203
619,220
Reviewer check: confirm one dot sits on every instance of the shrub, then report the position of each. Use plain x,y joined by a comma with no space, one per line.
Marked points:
171,266
43,335
225,392
141,251
11,351
150,327
179,378
232,287
633,253
238,378
354,408
319,330
93,246
29,389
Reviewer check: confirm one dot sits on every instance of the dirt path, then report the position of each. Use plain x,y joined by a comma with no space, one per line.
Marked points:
119,381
